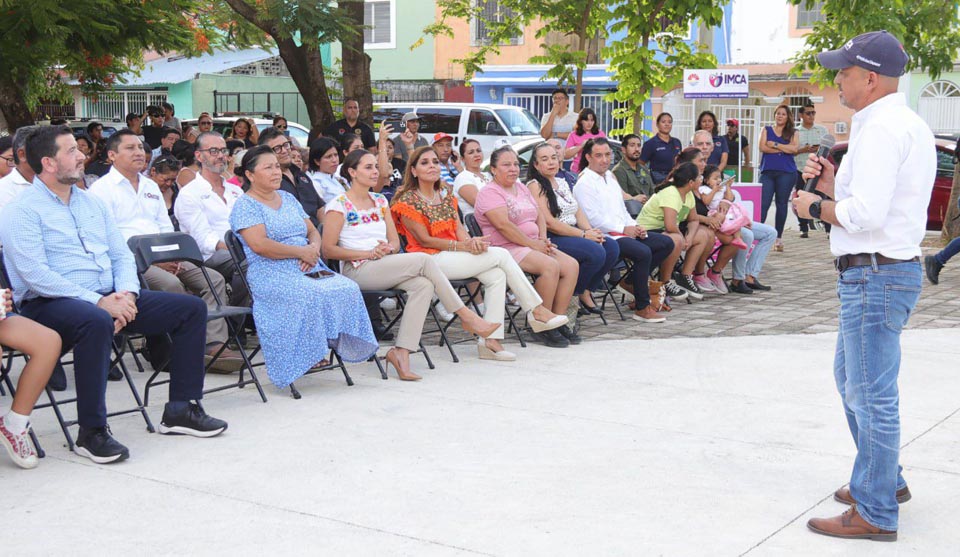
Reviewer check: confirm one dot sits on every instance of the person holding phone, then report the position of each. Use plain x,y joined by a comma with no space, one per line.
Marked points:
299,318
809,135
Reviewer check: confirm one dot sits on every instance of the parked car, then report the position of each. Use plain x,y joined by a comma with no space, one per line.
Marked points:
490,124
223,124
942,184
524,151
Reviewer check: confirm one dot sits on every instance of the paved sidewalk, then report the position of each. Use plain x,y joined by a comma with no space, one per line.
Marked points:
803,300
630,447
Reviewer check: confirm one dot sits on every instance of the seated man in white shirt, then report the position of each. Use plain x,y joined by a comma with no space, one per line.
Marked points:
203,210
169,137
21,177
601,199
137,206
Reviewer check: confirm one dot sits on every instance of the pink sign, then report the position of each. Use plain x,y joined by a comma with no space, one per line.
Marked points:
750,197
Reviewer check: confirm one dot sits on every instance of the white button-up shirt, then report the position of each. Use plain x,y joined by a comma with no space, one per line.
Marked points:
11,186
328,186
203,215
884,182
601,199
140,211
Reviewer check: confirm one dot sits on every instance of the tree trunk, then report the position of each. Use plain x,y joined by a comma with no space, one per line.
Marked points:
951,220
306,70
356,64
14,106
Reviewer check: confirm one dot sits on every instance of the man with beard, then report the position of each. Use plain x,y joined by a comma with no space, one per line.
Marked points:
295,181
203,210
137,207
634,178
71,271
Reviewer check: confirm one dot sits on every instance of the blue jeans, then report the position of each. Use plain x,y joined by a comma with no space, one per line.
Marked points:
779,184
744,266
875,303
953,248
595,259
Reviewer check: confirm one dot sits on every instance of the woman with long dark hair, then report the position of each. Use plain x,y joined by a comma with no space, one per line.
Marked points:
431,225
359,231
586,129
568,227
778,169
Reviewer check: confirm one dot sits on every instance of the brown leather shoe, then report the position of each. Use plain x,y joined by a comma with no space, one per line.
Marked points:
852,526
842,495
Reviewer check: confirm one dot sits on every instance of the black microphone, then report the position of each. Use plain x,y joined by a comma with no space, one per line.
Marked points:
826,143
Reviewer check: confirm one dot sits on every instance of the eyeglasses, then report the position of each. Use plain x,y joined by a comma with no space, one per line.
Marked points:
205,123
281,127
216,151
811,112
282,147
9,160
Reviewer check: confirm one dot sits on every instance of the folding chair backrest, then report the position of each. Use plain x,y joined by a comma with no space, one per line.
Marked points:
169,247
234,247
473,227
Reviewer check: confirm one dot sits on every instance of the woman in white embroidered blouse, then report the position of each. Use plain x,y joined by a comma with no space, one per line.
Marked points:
360,232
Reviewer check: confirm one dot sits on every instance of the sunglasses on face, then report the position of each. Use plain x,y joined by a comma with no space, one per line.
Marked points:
811,113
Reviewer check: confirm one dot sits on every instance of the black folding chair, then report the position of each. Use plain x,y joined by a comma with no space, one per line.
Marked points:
239,256
54,403
174,247
473,228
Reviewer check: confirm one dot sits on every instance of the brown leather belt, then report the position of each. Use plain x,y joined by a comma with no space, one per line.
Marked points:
844,262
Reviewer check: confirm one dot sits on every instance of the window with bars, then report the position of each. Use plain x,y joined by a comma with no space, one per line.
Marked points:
378,23
807,16
491,10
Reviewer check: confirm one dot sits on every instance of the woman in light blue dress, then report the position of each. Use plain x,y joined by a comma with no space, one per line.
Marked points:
302,309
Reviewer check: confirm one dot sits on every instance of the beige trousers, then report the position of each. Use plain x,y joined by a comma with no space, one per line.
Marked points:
496,270
419,276
191,280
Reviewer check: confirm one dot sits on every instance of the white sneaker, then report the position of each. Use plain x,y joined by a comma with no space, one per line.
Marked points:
442,313
19,447
388,304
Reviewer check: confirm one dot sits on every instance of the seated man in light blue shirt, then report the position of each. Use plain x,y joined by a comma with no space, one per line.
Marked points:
72,271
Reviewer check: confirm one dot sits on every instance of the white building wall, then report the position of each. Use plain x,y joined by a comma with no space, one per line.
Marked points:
760,32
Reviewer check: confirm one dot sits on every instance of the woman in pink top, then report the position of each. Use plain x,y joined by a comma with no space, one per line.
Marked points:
508,215
586,129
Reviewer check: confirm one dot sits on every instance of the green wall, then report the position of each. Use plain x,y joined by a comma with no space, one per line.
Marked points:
292,104
920,80
401,63
180,95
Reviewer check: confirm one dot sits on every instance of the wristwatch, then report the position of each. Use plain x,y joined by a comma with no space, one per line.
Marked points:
815,209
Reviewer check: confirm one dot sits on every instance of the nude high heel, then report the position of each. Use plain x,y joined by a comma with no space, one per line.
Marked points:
395,361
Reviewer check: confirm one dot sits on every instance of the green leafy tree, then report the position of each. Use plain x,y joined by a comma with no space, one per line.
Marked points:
298,29
42,42
651,52
928,29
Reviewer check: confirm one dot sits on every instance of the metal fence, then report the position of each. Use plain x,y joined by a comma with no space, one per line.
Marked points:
289,104
47,111
541,103
115,105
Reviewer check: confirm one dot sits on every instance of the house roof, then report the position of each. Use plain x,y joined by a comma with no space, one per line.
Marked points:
531,75
177,69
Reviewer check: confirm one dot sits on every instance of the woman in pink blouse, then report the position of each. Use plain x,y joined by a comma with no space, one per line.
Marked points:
508,215
585,129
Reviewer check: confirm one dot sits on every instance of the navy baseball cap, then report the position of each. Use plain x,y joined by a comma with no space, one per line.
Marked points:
877,51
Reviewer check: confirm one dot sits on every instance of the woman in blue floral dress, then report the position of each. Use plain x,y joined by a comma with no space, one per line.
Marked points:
302,309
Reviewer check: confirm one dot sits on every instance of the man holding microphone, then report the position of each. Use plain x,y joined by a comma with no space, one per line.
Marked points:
877,204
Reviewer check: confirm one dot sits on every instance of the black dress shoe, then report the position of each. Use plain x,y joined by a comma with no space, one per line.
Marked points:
804,234
381,332
740,287
58,380
115,374
590,309
552,338
755,285
570,334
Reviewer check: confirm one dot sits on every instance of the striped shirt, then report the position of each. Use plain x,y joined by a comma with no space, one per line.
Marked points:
57,250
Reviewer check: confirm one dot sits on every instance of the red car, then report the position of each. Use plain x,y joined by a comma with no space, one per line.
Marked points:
942,184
